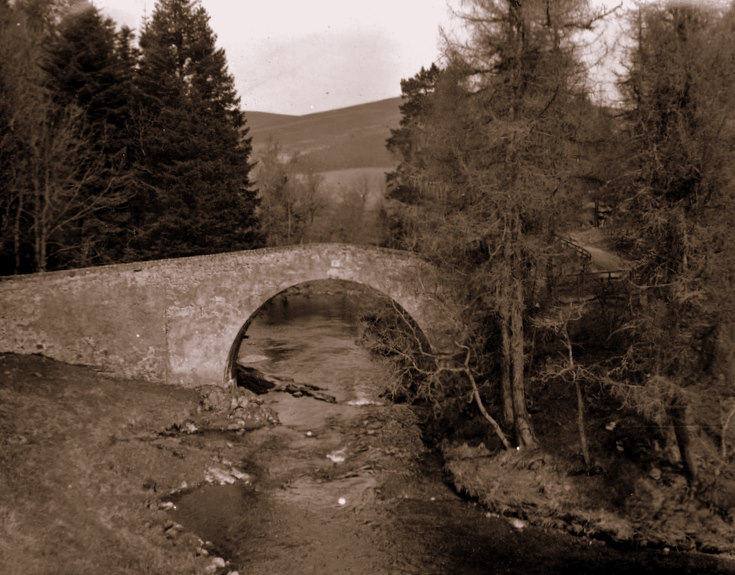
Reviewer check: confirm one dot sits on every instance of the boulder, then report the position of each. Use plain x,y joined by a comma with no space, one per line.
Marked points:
214,398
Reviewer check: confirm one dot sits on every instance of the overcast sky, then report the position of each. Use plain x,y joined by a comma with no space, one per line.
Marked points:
303,56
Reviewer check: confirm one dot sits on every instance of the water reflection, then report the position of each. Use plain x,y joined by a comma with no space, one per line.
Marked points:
313,338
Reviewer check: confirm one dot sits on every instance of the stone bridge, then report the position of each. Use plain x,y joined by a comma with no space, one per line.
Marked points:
180,321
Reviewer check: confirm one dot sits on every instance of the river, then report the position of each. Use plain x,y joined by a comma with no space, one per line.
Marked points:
349,487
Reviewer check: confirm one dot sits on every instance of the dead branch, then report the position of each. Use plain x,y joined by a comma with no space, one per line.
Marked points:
476,393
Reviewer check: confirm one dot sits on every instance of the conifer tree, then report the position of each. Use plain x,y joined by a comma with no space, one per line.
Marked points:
673,219
16,55
492,165
55,177
196,195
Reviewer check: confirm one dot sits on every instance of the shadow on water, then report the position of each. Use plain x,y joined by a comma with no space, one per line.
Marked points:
349,488
463,540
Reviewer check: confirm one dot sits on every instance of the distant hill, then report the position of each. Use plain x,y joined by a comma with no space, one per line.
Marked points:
342,139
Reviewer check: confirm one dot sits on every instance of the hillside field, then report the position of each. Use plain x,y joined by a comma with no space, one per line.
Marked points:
343,139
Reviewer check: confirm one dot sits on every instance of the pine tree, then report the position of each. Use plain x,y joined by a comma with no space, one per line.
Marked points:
405,142
55,176
16,55
194,166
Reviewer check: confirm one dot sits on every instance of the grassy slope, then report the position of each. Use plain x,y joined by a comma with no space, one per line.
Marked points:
341,139
345,146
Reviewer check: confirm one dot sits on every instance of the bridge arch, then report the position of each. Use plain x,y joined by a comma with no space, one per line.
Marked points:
378,301
176,320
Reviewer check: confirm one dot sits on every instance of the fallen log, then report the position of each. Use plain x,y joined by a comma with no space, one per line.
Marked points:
255,380
298,390
261,383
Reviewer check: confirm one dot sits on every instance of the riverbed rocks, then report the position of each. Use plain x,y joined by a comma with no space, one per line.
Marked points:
232,409
260,383
225,475
307,390
172,529
219,399
215,564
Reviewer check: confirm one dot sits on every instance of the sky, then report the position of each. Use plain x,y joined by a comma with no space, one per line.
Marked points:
303,56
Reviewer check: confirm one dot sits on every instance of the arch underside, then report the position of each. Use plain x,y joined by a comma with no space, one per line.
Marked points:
202,338
381,302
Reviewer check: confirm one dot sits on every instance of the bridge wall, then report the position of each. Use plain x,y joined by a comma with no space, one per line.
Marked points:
176,320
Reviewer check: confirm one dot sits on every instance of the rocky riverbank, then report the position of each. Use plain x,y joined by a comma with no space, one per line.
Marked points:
622,505
86,461
90,467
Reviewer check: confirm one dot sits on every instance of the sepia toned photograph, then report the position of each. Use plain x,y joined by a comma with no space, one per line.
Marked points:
328,287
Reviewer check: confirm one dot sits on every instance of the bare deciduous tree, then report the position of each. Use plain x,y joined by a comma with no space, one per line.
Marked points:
63,176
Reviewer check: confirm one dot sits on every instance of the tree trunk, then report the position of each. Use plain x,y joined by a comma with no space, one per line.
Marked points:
679,417
476,394
514,41
16,229
580,396
523,429
505,373
38,231
43,228
580,423
505,360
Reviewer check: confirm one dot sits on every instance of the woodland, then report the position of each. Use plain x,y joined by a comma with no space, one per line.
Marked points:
115,148
499,149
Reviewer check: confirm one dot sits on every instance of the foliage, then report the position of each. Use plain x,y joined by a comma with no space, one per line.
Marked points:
194,148
289,201
405,142
17,48
489,149
300,205
88,66
56,178
674,197
113,153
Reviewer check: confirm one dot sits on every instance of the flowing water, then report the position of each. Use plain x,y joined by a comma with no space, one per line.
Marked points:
348,487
